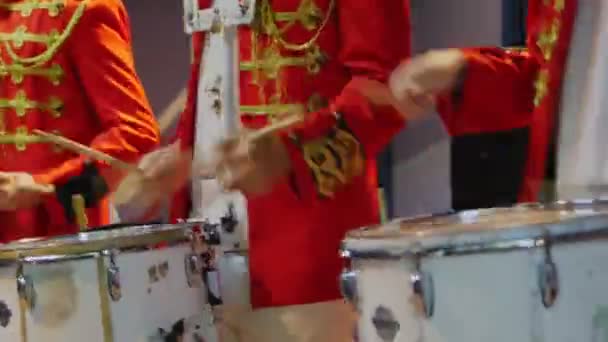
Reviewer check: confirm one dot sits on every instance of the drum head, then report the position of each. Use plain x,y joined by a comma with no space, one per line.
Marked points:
530,221
125,238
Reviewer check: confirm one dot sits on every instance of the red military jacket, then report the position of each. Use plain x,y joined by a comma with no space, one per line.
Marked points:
67,68
514,89
311,54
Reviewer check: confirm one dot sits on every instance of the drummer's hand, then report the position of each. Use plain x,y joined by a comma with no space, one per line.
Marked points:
412,107
252,167
19,190
421,78
166,169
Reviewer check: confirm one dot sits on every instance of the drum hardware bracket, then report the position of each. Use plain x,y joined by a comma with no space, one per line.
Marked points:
113,276
423,289
548,277
25,288
229,222
211,233
193,261
348,287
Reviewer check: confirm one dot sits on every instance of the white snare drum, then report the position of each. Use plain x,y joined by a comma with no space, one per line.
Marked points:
229,279
105,286
527,274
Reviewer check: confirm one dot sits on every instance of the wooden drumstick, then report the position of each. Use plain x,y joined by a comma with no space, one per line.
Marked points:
205,170
133,184
87,151
80,214
276,127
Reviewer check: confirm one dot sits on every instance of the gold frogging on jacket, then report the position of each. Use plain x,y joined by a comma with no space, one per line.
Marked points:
19,67
25,8
546,42
334,159
268,62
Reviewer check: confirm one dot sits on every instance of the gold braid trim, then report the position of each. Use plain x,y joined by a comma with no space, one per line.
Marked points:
269,24
39,60
334,159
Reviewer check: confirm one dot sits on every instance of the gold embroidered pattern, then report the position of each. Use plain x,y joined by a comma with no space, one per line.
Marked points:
21,35
548,38
272,110
308,14
21,104
18,67
275,110
21,138
44,57
546,42
541,86
269,47
2,122
271,62
334,160
17,72
26,7
558,5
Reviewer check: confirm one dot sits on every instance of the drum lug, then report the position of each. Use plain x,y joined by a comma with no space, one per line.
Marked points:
194,266
348,287
193,261
423,289
25,288
548,277
113,276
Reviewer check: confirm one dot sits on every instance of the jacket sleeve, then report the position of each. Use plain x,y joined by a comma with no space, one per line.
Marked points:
496,92
101,54
328,150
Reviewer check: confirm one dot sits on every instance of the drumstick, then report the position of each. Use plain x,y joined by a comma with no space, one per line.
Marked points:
87,151
278,126
203,169
133,184
172,112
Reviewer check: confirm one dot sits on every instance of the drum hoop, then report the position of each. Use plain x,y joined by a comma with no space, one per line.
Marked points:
596,228
61,251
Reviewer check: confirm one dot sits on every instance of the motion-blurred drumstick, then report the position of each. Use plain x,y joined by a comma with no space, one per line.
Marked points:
203,169
11,184
87,151
275,127
134,184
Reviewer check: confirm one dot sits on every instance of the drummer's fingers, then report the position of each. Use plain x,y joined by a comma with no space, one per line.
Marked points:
247,181
6,178
232,175
160,166
227,146
38,188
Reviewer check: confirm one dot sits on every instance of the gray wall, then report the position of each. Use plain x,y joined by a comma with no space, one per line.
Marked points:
162,59
162,49
421,165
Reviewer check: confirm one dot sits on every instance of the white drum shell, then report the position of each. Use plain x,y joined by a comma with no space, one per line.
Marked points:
489,296
151,298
